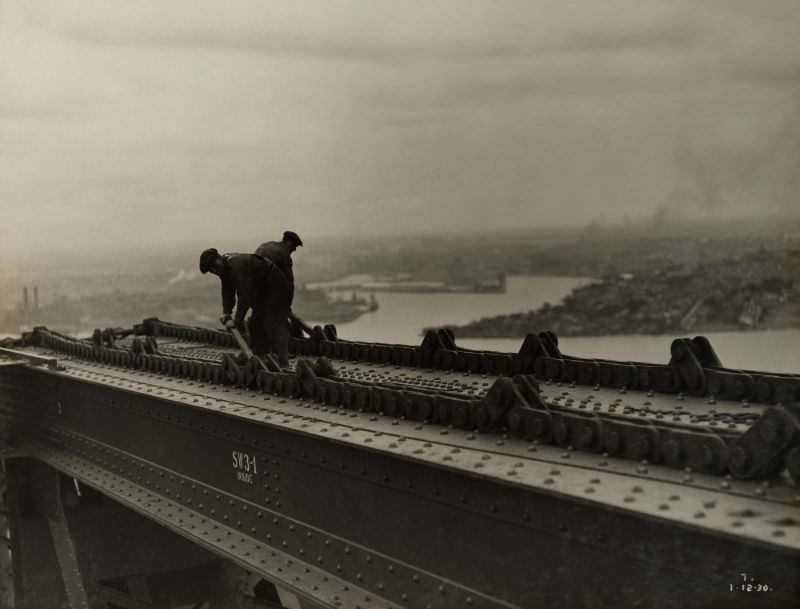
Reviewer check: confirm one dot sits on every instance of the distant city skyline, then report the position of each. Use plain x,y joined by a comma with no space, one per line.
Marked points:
134,125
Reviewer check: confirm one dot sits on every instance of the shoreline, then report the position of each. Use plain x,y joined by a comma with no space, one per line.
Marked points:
460,332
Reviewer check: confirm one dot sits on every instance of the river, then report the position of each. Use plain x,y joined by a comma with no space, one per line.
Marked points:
402,316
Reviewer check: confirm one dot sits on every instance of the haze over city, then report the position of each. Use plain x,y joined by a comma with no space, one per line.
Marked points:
135,125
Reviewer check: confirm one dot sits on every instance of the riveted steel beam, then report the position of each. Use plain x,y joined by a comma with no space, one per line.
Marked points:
410,487
394,503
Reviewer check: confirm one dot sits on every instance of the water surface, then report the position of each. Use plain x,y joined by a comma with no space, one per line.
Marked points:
402,316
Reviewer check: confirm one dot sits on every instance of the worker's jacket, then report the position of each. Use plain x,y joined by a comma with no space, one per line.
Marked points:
277,252
245,281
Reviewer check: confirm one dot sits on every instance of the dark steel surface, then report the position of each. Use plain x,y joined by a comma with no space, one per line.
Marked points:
292,481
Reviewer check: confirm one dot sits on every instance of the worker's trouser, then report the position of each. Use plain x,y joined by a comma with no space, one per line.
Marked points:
268,324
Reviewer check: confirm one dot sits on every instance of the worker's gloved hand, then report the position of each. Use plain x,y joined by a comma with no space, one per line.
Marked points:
226,319
231,324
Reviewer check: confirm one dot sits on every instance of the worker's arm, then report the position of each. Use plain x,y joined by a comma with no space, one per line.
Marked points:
295,320
290,279
244,297
228,295
241,311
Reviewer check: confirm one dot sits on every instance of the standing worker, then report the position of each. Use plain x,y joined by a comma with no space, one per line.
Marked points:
280,252
253,282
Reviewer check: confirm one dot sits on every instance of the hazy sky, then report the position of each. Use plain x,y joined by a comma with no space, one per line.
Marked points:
135,122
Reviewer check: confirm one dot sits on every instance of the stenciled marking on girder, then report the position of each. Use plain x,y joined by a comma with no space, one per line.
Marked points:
245,465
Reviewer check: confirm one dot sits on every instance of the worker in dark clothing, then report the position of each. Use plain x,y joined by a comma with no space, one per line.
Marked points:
252,282
280,252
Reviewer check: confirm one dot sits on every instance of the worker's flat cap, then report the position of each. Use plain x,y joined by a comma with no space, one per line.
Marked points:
207,259
291,235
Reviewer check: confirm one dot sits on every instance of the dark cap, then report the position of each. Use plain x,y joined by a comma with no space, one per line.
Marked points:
293,236
207,259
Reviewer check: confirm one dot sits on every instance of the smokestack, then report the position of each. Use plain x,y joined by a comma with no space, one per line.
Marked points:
36,298
25,297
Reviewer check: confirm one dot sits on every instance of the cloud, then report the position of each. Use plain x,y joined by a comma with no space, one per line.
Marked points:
145,122
758,70
379,32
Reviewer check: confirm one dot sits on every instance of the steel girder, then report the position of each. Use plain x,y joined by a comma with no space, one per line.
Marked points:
343,516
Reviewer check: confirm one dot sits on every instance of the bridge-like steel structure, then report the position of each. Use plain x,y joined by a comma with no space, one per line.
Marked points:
158,467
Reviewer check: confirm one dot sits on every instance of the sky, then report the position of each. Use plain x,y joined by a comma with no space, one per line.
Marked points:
136,124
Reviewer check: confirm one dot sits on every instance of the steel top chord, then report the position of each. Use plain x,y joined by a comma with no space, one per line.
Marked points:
383,450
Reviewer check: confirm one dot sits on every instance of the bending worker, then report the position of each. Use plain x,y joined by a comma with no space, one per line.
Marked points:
253,282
